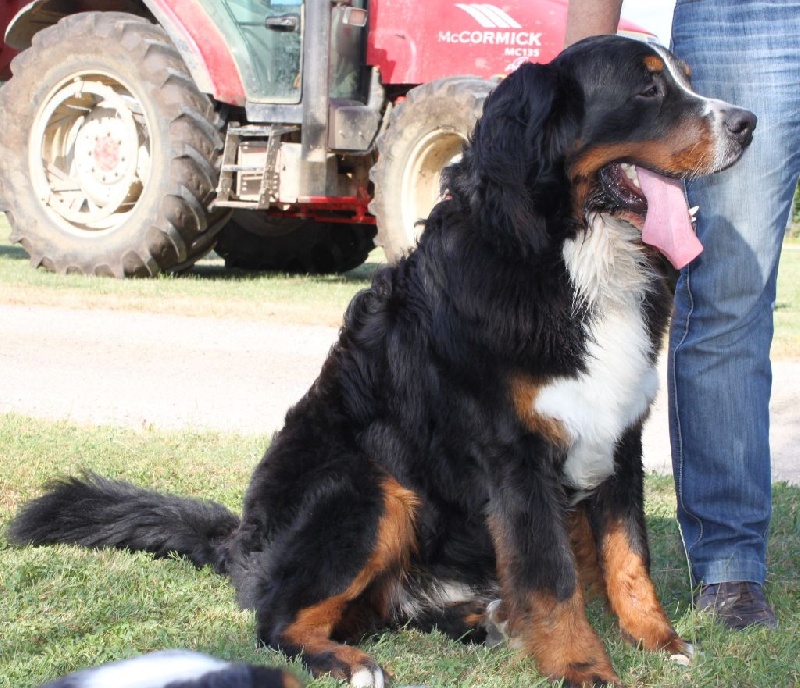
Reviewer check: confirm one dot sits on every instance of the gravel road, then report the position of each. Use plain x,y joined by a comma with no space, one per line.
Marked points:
140,369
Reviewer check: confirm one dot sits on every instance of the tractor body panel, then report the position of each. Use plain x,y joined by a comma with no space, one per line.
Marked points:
416,43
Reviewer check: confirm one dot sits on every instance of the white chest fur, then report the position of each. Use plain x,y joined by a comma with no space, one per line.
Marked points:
610,275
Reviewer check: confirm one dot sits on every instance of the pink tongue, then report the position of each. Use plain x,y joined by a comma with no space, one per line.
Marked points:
668,225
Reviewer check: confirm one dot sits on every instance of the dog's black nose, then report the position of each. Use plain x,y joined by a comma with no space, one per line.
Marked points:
740,124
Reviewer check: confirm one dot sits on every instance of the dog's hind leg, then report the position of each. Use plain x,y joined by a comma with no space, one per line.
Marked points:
465,622
341,587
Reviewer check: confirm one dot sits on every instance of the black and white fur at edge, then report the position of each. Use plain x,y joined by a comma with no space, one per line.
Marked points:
177,669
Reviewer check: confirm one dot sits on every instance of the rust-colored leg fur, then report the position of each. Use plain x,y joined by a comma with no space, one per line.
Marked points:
314,627
548,624
584,547
632,595
557,633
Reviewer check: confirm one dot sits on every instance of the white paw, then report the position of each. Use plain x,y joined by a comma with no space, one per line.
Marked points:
496,624
368,678
685,658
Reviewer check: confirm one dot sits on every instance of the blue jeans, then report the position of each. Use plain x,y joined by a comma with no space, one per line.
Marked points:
746,52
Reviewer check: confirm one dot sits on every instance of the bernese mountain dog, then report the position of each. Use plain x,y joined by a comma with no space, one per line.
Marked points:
470,456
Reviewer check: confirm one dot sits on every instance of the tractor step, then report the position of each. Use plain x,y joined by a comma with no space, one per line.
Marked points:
241,168
251,130
266,140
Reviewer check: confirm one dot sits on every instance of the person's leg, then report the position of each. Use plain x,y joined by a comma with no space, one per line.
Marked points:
747,53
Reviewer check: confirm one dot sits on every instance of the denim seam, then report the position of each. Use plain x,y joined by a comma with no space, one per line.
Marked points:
678,449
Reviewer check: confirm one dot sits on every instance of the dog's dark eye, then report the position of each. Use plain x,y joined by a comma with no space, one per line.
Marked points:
651,91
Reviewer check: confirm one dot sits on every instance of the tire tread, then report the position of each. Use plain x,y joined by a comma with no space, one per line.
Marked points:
193,148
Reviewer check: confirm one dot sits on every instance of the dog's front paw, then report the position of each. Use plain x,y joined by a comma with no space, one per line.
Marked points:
369,677
682,652
586,677
496,624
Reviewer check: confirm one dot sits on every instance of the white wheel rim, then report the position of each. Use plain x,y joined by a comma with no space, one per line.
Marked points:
422,176
89,153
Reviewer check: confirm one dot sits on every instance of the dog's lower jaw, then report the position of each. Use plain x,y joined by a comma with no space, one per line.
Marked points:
608,263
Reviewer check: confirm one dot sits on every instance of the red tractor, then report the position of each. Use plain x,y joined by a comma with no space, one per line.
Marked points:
140,134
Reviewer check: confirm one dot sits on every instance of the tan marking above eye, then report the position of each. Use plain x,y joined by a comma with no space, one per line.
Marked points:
654,63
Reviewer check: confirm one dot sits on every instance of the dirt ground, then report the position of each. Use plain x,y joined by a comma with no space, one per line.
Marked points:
141,369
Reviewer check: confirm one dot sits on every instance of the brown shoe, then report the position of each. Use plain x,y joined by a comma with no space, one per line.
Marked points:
736,604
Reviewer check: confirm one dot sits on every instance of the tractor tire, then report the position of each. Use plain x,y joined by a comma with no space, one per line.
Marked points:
425,134
110,154
253,240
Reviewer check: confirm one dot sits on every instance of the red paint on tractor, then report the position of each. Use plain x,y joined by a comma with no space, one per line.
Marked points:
7,11
414,43
345,209
200,32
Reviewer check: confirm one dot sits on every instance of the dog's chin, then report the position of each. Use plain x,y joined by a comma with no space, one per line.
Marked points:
634,219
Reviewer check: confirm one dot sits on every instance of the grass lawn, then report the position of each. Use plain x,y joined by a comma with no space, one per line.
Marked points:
208,289
64,608
787,304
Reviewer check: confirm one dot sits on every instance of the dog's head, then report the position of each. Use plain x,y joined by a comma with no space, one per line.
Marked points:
560,141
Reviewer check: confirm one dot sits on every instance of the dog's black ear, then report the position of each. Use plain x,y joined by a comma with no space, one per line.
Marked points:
513,169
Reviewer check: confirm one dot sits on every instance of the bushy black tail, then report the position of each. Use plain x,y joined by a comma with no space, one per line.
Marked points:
95,512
